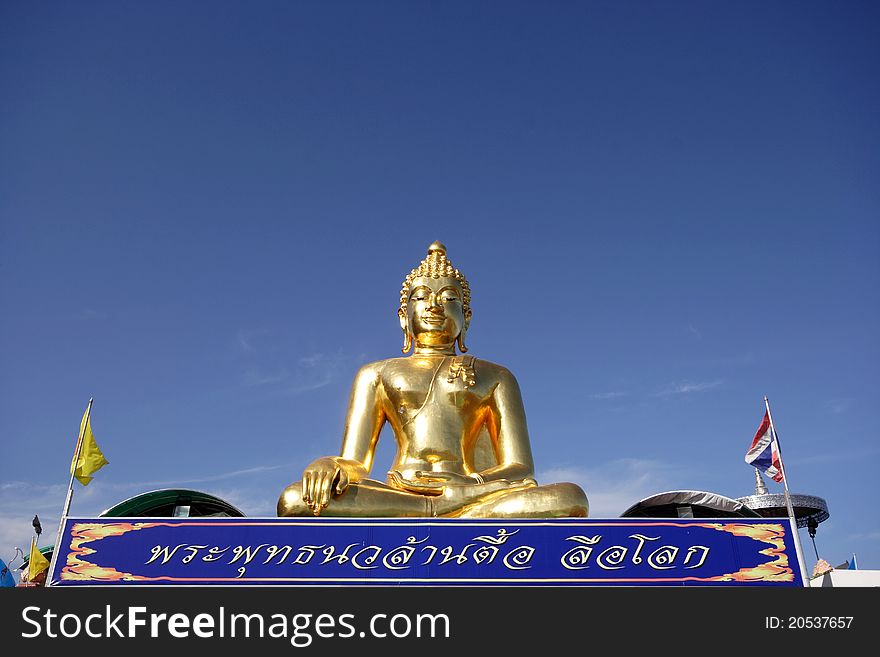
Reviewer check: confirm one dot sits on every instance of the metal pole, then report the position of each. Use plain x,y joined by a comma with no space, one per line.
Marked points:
69,498
18,555
797,538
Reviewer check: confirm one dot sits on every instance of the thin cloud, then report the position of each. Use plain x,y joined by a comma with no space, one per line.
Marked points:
839,456
688,387
614,486
293,391
255,377
295,375
693,330
838,406
13,485
608,395
314,371
258,469
313,360
90,315
38,497
246,339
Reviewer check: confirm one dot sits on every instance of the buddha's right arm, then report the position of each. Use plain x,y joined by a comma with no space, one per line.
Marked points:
332,474
363,422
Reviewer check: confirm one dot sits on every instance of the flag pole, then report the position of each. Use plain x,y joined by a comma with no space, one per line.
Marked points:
69,497
797,538
31,562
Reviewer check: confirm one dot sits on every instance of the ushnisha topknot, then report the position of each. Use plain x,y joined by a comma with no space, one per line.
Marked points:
436,265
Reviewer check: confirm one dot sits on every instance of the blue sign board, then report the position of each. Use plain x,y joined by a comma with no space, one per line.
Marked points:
422,551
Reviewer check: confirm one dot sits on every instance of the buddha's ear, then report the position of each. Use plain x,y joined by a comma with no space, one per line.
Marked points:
460,339
407,336
401,315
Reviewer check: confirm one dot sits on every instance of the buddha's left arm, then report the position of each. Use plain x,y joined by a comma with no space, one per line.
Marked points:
510,435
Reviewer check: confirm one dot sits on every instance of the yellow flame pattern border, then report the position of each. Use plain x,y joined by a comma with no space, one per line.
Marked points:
777,570
78,568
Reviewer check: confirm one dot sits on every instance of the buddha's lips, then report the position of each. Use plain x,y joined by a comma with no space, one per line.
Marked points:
433,319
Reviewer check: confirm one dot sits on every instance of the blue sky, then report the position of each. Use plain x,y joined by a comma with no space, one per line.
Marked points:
665,210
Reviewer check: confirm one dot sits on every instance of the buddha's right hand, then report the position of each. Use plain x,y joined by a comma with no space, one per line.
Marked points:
322,478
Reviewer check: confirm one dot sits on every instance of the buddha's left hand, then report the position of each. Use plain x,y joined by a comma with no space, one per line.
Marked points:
453,484
430,483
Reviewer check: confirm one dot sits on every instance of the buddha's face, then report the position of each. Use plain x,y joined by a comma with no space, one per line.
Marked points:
434,313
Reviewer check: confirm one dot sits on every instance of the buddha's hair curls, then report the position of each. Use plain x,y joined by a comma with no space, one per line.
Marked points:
436,265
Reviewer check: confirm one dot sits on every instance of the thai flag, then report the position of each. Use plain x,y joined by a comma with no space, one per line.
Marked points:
764,452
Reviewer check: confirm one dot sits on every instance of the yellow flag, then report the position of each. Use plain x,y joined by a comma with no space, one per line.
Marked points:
90,457
37,562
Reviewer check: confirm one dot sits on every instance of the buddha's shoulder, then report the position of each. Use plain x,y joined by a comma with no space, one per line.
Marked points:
494,370
482,364
381,369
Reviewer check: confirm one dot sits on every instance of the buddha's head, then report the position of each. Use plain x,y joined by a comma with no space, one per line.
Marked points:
435,300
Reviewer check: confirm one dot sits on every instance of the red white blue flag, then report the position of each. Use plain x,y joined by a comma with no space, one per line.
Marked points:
764,452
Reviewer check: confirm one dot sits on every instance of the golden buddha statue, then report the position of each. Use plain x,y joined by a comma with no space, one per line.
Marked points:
462,444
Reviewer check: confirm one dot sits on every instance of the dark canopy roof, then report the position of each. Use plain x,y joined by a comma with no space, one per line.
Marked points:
700,504
162,504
